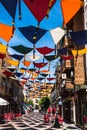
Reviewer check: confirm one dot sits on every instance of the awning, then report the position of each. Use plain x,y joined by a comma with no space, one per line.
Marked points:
3,102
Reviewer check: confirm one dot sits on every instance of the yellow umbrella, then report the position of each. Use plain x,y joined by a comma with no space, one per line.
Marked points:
13,62
79,52
3,48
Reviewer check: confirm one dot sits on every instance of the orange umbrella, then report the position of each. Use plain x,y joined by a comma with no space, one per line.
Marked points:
70,8
6,32
26,63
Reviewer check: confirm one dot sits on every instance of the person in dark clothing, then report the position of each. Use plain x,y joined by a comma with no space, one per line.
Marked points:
53,110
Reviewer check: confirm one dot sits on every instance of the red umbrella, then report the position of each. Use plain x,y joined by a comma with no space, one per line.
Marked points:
45,50
50,79
67,57
39,65
40,8
2,56
7,73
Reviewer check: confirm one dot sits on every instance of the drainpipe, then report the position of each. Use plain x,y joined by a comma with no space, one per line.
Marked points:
85,28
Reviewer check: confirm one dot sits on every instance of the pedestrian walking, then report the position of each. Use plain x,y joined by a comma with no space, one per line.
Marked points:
53,110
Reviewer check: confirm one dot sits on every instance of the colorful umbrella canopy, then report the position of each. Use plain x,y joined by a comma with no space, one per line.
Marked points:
32,69
50,79
2,56
67,57
50,57
40,78
26,63
18,74
7,73
70,8
32,59
45,50
39,8
39,65
6,32
79,37
29,33
17,57
11,69
10,6
3,48
62,51
57,34
13,62
79,52
43,74
22,49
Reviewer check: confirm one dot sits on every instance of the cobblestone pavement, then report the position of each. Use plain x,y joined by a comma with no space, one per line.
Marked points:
33,121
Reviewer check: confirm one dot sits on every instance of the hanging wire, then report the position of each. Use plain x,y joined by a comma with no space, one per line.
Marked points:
48,10
36,32
19,8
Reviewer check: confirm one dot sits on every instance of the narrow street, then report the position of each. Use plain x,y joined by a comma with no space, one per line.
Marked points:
33,121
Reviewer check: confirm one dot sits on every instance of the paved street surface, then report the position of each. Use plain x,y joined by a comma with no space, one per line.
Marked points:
33,121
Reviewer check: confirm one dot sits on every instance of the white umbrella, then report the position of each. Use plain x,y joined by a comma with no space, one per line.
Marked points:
57,34
3,102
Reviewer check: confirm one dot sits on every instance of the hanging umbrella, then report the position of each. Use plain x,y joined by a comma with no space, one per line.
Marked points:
50,79
18,74
30,33
45,50
22,49
43,74
7,73
10,6
2,56
40,78
50,57
80,52
11,69
79,37
13,62
17,57
22,70
6,32
70,8
39,65
40,8
62,51
3,48
67,57
26,63
57,34
32,69
3,102
32,59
